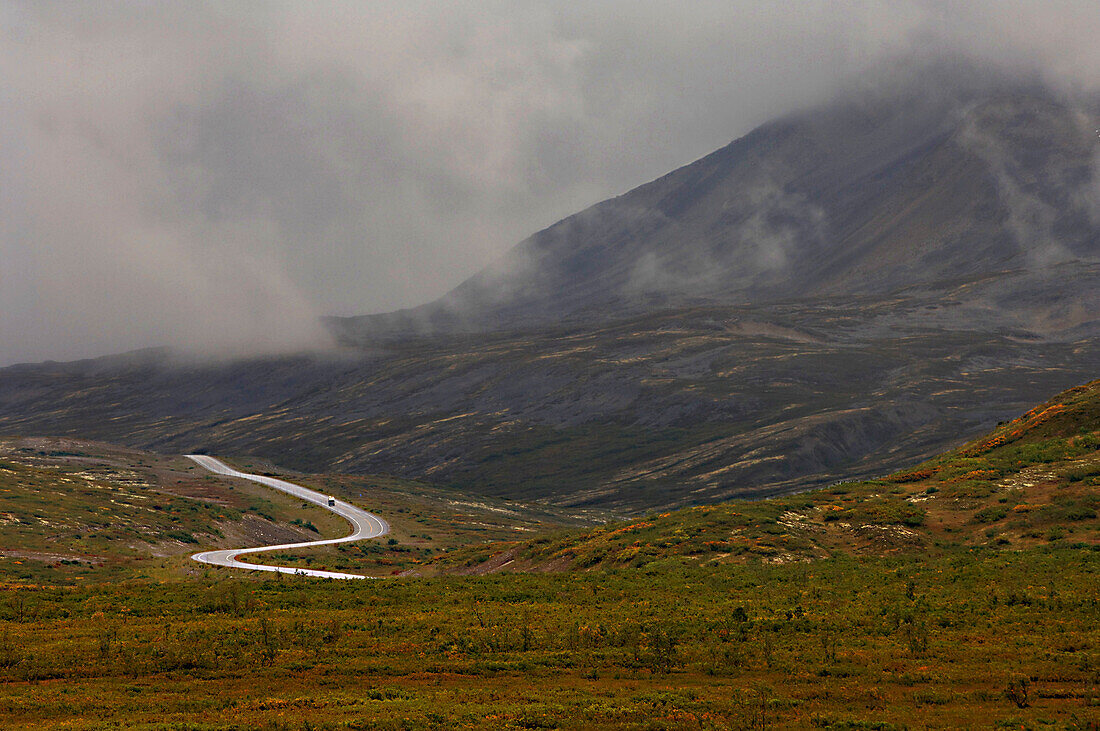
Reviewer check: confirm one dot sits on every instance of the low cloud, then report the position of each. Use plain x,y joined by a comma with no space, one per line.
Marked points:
216,177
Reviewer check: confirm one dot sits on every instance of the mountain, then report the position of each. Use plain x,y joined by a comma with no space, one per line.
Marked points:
961,174
838,293
681,407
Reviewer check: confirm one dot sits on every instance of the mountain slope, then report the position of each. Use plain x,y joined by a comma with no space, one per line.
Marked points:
676,408
874,193
832,296
1033,481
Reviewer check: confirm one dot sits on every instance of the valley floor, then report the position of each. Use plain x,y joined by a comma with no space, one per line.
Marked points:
959,593
970,638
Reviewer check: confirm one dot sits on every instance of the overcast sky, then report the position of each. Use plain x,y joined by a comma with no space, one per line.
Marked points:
215,176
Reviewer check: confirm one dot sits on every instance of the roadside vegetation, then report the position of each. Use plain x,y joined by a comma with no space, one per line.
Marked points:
962,592
977,637
74,511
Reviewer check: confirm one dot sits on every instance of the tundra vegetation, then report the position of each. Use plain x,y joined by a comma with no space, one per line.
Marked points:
963,591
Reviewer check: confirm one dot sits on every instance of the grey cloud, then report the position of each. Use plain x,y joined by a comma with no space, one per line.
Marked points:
217,176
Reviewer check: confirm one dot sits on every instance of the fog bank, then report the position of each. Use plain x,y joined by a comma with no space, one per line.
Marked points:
215,177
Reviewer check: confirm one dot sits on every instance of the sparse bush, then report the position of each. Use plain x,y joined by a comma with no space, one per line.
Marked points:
1017,692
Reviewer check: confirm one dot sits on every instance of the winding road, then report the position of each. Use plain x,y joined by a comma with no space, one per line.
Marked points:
367,525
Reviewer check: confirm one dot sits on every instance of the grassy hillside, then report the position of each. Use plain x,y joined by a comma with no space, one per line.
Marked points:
932,600
1034,481
73,511
77,511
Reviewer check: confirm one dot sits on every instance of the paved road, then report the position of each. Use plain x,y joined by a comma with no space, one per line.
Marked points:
367,525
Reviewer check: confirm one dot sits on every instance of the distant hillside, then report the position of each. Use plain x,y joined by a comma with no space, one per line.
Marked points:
675,408
838,293
953,174
1034,481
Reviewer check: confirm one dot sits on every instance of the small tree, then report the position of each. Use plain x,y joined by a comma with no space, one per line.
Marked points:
1017,691
662,655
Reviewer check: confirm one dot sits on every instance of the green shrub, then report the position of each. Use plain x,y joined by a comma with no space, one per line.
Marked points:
990,515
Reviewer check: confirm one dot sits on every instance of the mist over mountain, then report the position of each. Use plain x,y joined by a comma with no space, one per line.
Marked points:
916,179
838,293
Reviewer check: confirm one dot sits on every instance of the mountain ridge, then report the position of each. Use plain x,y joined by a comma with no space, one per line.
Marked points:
866,195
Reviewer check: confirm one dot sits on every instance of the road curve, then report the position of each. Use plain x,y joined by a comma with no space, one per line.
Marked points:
366,525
